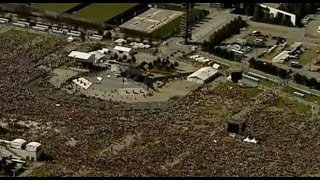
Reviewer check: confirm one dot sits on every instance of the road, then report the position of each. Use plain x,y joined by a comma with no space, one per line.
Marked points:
215,21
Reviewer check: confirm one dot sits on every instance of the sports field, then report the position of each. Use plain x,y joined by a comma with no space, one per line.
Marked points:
101,12
56,7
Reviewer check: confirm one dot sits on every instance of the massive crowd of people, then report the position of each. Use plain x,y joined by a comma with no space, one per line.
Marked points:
173,142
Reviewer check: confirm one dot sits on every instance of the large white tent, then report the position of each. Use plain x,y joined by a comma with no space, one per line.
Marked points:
203,75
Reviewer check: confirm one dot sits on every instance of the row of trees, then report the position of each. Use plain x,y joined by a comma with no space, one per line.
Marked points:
224,33
262,15
226,54
300,9
160,64
303,80
269,68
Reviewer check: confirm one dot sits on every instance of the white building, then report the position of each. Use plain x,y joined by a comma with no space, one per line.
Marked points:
274,12
98,55
282,57
82,56
203,75
122,49
19,148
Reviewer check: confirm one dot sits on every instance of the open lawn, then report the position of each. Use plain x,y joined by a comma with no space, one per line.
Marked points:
252,92
13,33
56,7
295,106
267,83
311,98
308,56
101,12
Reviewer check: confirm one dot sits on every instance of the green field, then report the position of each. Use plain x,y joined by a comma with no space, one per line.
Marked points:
295,106
15,33
308,56
56,7
310,98
252,92
101,12
267,83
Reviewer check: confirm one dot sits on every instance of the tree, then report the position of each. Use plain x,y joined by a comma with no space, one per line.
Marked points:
158,61
299,78
150,65
311,82
171,66
115,56
257,14
283,73
133,59
83,36
176,64
108,35
96,46
317,86
124,57
252,62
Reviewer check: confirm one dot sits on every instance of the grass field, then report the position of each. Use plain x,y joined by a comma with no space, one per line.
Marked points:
252,92
101,12
295,106
14,33
308,56
56,7
267,83
311,98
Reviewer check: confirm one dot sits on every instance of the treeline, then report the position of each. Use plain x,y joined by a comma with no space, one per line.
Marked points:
261,14
269,68
160,64
226,54
303,80
224,33
300,9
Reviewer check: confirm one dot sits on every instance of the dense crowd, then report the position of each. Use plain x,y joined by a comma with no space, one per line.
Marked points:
174,142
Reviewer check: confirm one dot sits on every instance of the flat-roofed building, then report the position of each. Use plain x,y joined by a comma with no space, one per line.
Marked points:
154,23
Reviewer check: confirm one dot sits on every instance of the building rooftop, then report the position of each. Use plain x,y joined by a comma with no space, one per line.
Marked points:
151,20
273,5
204,73
281,57
80,55
32,146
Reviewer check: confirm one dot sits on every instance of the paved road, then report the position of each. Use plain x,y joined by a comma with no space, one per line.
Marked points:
216,20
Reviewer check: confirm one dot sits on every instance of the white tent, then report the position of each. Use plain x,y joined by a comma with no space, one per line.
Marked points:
146,46
216,66
122,49
120,41
99,78
202,75
200,59
70,39
194,56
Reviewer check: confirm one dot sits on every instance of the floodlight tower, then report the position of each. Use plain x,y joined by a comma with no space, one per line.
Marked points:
186,27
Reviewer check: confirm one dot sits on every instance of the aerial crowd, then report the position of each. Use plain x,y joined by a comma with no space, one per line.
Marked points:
178,141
